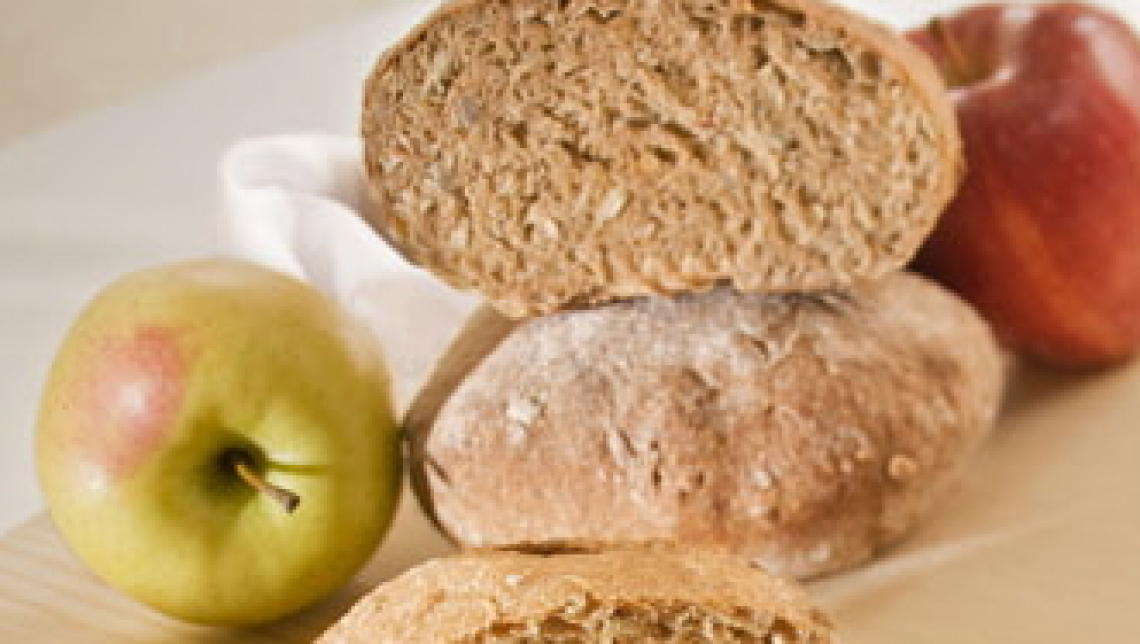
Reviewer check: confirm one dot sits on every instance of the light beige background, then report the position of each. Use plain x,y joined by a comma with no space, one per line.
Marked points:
60,57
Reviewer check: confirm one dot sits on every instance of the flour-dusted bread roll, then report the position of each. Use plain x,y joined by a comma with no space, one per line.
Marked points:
549,153
802,431
614,597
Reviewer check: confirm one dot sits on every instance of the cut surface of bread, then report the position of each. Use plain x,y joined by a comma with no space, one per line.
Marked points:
607,598
555,153
805,432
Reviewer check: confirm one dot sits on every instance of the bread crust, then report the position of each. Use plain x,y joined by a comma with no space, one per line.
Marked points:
804,432
811,150
511,597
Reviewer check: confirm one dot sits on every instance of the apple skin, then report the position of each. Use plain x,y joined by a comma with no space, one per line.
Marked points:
1044,236
163,373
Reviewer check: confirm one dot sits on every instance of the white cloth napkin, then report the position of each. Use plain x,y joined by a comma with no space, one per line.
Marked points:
293,203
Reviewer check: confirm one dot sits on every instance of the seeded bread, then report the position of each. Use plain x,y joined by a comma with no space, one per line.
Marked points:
805,432
549,153
616,598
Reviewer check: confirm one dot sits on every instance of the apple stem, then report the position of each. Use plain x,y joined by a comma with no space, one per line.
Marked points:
959,72
243,466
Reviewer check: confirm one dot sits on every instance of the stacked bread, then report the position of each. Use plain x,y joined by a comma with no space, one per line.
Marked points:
689,218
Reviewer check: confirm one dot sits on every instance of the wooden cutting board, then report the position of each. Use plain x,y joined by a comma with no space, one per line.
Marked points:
1041,545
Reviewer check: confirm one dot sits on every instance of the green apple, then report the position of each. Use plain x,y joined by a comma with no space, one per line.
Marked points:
217,441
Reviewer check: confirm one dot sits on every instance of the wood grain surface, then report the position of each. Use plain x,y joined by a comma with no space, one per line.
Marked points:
46,595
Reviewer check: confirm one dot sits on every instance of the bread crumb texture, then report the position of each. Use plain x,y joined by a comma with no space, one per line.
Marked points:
805,432
608,598
569,152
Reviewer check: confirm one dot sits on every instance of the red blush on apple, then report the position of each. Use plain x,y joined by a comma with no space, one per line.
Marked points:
136,386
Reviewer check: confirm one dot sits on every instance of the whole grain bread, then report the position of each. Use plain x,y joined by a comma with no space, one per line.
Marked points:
615,597
805,432
549,153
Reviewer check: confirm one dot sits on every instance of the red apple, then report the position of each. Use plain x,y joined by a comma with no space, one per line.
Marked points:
1044,237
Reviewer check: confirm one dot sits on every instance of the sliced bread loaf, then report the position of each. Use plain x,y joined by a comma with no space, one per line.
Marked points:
551,153
613,598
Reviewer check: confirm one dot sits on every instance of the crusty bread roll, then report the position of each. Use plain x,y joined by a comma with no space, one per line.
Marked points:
615,597
551,153
802,431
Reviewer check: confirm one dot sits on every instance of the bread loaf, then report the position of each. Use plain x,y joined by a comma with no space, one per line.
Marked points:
616,597
549,153
802,431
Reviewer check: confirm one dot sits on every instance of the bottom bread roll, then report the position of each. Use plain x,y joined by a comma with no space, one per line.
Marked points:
804,432
611,598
